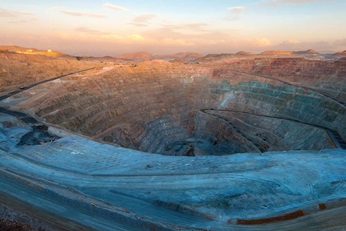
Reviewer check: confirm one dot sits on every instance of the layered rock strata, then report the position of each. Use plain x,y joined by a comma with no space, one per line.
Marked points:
209,108
221,107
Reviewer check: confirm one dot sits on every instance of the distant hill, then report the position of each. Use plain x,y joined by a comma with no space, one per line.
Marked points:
339,55
186,55
277,52
143,56
244,53
342,53
307,52
29,51
140,56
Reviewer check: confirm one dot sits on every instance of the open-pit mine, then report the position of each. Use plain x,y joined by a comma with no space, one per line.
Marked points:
185,142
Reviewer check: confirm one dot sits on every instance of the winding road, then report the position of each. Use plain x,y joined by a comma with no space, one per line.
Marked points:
333,135
41,82
342,103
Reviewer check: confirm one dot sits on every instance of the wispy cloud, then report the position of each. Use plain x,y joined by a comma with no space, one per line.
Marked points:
4,13
262,42
184,34
114,7
82,14
186,27
85,33
143,20
90,31
291,42
237,9
29,20
136,37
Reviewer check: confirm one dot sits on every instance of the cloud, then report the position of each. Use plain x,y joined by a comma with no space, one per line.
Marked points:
291,42
197,35
143,20
4,13
17,17
86,34
29,20
114,7
82,14
136,37
262,42
237,9
90,31
182,33
187,28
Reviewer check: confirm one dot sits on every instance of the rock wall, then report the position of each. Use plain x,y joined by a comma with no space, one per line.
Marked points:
161,107
18,70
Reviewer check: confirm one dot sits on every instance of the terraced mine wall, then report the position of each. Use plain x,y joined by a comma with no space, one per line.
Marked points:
18,70
214,108
204,108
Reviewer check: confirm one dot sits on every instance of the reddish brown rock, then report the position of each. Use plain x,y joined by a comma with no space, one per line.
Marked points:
148,105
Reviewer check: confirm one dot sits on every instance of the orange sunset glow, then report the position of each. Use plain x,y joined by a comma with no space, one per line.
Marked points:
114,27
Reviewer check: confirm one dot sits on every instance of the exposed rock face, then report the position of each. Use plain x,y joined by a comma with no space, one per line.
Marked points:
17,70
215,108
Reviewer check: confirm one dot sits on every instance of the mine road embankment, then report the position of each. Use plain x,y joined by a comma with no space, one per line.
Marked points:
333,135
295,85
41,82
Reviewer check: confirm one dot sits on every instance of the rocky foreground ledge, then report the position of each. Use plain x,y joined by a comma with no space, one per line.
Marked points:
104,187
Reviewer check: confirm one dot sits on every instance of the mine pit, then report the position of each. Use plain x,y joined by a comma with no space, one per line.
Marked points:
201,108
221,142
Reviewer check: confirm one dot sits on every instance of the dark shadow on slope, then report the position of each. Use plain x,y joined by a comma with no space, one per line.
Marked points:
38,136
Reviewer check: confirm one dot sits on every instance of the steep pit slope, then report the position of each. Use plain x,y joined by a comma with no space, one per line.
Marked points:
212,108
19,70
326,77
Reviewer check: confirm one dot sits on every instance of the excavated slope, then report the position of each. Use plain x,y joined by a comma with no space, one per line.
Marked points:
206,108
18,70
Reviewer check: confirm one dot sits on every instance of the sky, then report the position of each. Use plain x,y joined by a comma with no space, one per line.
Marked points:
113,27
